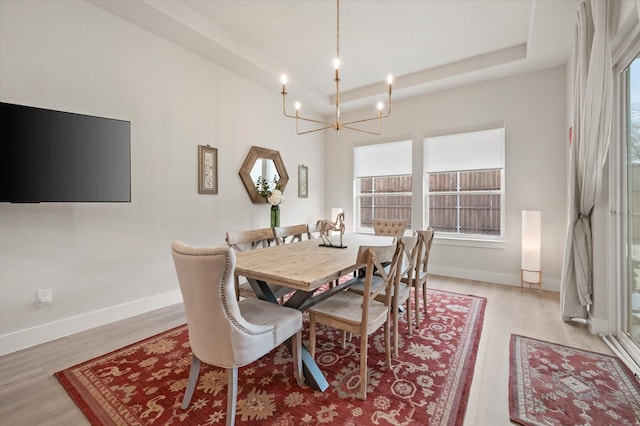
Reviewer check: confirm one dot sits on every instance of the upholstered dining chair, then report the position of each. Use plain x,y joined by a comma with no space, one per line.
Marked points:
361,314
251,240
392,227
425,238
401,287
224,332
294,233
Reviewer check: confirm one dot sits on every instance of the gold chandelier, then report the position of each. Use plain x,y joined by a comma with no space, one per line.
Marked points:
337,125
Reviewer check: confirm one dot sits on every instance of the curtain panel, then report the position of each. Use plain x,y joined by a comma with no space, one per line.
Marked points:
591,131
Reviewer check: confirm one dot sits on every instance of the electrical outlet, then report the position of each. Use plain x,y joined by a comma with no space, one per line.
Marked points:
44,297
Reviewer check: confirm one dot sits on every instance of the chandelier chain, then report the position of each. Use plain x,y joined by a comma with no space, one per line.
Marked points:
338,29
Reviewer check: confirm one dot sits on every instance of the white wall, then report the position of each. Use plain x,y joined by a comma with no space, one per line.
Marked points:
108,261
533,109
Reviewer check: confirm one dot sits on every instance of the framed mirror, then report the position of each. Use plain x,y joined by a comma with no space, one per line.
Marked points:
266,163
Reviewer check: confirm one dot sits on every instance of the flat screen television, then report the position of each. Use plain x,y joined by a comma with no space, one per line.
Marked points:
55,156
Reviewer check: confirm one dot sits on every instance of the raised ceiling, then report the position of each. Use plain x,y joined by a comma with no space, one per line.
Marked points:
427,45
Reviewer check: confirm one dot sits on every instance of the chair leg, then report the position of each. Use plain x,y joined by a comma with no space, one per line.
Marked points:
364,347
424,300
296,345
193,380
232,394
346,337
409,319
387,343
312,335
396,314
416,304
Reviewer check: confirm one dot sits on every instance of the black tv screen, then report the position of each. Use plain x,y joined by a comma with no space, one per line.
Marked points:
55,156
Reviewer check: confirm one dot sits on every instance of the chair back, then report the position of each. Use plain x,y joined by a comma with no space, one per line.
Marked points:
312,229
408,259
392,227
218,334
425,238
374,259
294,233
249,240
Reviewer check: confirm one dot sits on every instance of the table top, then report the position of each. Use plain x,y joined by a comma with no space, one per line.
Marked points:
305,265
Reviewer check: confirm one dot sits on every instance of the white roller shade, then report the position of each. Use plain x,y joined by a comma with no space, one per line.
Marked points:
385,159
465,151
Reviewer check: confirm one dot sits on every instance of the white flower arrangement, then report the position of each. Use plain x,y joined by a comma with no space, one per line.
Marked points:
275,198
272,196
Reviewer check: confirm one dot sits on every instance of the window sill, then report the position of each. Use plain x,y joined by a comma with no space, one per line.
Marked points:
469,242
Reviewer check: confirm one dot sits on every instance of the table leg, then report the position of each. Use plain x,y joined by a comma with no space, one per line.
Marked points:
314,377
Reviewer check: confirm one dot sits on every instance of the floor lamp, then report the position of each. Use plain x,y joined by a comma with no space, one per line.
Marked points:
530,272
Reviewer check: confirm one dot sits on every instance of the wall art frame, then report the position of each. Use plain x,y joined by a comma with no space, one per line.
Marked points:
303,181
207,170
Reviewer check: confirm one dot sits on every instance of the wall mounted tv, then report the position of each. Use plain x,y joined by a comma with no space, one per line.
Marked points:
55,156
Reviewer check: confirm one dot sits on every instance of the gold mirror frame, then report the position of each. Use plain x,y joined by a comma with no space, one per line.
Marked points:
256,153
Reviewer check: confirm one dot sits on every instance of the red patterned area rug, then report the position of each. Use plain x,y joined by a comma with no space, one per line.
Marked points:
551,384
428,383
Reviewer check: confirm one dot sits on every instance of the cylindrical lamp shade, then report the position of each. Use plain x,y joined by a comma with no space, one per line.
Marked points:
531,243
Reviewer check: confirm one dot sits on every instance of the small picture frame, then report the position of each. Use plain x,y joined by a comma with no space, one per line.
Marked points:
303,181
207,170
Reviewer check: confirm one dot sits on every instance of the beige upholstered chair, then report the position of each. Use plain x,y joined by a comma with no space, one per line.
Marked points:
425,238
222,331
390,227
293,233
401,287
361,314
251,240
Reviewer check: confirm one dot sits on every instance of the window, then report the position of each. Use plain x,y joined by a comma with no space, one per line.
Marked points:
383,183
464,185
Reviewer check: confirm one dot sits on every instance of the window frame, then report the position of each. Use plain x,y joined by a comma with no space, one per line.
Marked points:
466,239
359,196
400,152
467,236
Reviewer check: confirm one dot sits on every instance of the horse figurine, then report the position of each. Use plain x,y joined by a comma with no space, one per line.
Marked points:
326,226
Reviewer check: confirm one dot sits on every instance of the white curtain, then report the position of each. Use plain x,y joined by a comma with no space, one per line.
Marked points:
590,142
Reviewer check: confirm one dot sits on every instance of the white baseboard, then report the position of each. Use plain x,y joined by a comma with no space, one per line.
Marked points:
488,276
26,338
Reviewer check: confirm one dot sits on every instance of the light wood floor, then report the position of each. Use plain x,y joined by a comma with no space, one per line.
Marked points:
30,395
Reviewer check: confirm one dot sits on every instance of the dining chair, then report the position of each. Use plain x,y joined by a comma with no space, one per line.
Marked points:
361,314
419,284
392,227
294,232
312,229
251,240
401,288
223,331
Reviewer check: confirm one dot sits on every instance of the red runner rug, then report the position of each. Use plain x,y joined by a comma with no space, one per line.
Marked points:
428,383
551,384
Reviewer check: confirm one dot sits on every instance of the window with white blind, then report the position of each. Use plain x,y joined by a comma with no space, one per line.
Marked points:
383,177
464,184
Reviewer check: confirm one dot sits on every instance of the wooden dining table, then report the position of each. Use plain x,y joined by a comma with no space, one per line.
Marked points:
304,266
